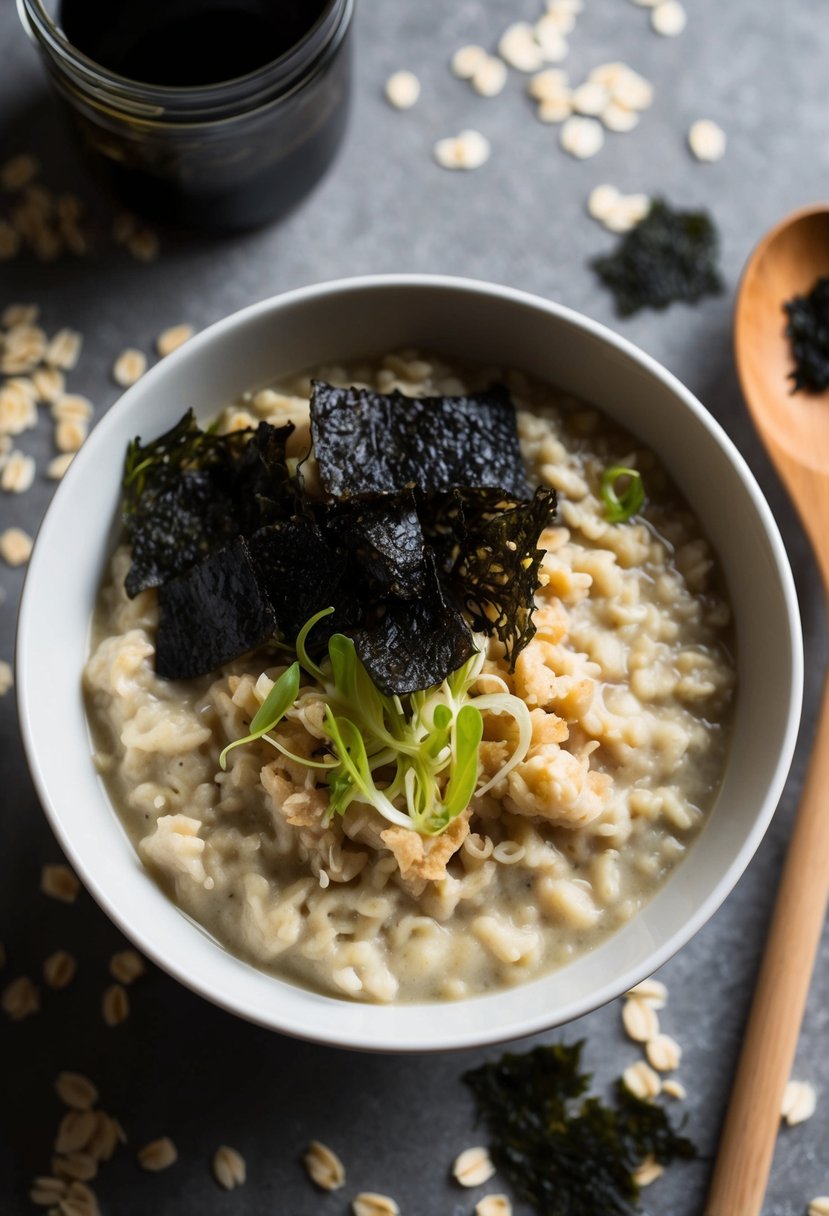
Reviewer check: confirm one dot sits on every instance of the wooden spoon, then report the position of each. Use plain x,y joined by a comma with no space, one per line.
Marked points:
795,430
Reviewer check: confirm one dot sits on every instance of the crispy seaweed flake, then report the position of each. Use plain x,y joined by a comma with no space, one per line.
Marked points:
564,1153
384,540
670,255
301,574
808,333
415,643
372,443
192,490
489,551
175,508
212,613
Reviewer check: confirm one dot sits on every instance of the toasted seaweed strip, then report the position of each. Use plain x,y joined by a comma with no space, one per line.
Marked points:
192,490
384,540
175,508
415,643
212,613
372,443
807,329
670,255
488,545
301,573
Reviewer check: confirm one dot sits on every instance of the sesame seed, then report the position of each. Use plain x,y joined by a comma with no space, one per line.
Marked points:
402,90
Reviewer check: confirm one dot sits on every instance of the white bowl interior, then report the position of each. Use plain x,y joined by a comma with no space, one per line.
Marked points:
477,324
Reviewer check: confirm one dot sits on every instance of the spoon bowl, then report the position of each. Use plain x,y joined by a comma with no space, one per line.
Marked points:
786,263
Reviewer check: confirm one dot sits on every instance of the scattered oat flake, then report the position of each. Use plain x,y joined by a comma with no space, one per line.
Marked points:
664,1053
72,405
229,1168
64,349
469,150
324,1166
157,1155
630,90
47,1191
642,1081
49,383
57,467
369,1203
20,999
552,84
581,137
75,1130
799,1102
590,98
466,60
76,1090
674,1089
6,677
473,1167
819,1206
18,172
628,211
652,992
554,109
669,18
618,119
402,90
18,411
9,242
489,77
706,140
19,314
563,18
171,339
648,1172
601,202
115,1005
126,966
70,435
519,49
550,38
639,1020
493,1205
15,546
143,244
58,882
18,473
59,969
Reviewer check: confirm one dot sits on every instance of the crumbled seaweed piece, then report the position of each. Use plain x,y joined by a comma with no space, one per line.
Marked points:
384,540
565,1154
808,332
301,574
670,255
415,643
175,509
212,613
489,552
371,443
263,487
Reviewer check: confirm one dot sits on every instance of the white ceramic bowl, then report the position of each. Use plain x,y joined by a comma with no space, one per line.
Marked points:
474,322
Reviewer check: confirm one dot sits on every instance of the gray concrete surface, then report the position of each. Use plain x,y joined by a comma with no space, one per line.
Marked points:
179,1066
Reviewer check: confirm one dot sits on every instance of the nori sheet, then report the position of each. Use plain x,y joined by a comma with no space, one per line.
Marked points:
212,613
191,490
669,256
415,643
807,329
375,443
384,540
302,573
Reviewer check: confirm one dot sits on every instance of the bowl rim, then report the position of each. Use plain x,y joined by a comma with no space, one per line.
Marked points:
431,1040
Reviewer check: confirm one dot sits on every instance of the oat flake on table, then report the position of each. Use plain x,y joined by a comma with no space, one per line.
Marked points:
158,1155
473,1167
324,1167
75,1090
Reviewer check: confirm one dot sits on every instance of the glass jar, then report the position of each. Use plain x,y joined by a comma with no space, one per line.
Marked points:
218,157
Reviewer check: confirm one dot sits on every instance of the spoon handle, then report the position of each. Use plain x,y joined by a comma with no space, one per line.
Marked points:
753,1118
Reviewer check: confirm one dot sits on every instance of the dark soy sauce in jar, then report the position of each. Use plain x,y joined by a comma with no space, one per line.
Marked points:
221,114
186,43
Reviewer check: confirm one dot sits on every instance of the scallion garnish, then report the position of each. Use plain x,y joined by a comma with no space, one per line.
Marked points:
622,505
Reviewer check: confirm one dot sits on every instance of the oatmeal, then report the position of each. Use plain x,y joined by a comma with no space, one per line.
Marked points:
628,682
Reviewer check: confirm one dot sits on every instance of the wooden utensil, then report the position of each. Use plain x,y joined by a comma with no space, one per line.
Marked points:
795,431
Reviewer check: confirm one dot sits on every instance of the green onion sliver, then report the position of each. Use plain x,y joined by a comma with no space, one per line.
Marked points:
620,507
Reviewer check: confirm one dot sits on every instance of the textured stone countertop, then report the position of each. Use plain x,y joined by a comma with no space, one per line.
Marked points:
178,1066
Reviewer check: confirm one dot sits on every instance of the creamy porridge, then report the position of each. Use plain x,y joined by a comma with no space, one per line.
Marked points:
628,681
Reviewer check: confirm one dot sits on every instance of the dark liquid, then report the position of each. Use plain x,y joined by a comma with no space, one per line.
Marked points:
186,43
213,175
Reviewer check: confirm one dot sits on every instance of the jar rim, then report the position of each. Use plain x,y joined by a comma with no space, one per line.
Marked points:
185,103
